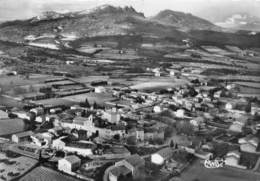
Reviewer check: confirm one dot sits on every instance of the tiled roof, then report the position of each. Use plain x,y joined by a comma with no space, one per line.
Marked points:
72,159
121,170
135,160
46,174
23,134
165,152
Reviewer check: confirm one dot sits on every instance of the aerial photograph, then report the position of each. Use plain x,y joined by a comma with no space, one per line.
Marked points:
129,90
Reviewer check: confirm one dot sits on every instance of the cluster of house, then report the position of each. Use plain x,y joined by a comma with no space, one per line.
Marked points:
132,119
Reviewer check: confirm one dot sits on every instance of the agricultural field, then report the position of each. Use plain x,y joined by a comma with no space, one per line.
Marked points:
99,98
10,168
10,126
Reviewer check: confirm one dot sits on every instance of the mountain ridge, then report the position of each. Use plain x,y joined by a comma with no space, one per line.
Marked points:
61,28
101,21
185,21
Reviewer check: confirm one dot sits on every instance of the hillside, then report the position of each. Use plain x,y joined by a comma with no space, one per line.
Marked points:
184,21
102,21
55,30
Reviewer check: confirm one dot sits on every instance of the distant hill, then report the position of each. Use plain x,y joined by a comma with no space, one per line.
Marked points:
241,21
184,21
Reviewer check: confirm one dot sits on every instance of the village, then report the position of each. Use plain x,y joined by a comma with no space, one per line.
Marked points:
152,127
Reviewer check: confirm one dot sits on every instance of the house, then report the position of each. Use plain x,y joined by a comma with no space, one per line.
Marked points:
112,116
37,111
81,147
255,110
161,156
138,133
22,137
157,74
180,113
3,115
229,106
233,158
100,89
248,147
196,122
22,115
173,72
157,109
134,163
69,164
236,127
58,144
249,144
116,152
153,134
205,155
40,119
120,173
42,139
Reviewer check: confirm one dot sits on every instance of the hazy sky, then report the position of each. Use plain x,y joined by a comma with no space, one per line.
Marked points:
214,10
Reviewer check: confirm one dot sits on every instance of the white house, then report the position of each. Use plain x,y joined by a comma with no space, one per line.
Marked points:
232,159
157,109
229,106
157,74
204,155
38,111
40,119
3,115
100,89
21,137
179,113
69,164
161,156
112,116
58,144
249,144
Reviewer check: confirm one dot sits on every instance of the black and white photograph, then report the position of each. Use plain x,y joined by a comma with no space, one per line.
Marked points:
129,90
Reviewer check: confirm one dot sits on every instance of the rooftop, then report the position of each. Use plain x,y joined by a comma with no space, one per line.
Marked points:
26,133
72,159
121,170
165,152
135,160
46,174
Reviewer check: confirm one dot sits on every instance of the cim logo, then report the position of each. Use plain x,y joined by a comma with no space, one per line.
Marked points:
214,163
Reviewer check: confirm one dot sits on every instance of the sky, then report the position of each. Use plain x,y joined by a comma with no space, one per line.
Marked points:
213,10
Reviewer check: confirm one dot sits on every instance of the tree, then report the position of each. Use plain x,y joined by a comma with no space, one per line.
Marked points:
95,106
248,107
117,137
171,144
87,103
